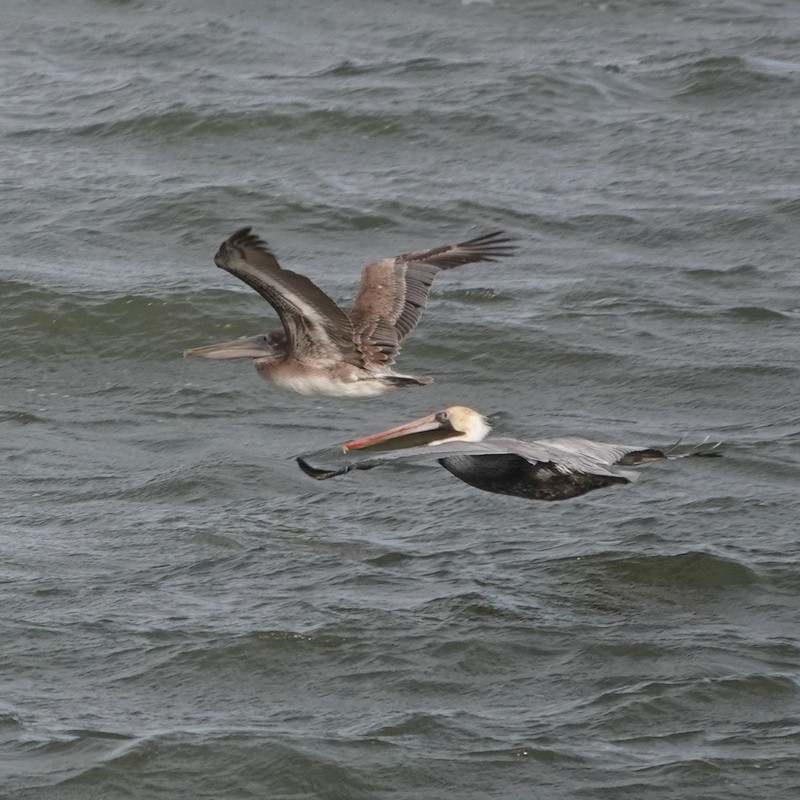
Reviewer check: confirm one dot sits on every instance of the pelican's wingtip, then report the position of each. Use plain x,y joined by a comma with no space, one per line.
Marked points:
705,448
313,472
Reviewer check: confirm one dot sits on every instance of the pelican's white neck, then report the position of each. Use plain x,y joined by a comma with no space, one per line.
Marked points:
468,425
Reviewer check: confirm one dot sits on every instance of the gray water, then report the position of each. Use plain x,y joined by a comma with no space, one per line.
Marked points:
185,614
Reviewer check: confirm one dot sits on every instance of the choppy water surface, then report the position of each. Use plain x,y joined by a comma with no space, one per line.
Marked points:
184,614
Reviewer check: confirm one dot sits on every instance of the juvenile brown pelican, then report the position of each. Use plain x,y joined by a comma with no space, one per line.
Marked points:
547,469
323,350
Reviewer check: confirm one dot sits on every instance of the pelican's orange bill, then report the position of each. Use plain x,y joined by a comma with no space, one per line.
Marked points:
410,434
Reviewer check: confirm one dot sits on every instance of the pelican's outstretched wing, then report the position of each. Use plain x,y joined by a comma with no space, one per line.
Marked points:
570,454
315,326
547,469
393,291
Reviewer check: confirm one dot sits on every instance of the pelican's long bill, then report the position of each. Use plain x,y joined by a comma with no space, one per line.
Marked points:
247,347
456,423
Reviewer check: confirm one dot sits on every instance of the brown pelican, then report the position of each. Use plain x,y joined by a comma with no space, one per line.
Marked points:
546,469
323,350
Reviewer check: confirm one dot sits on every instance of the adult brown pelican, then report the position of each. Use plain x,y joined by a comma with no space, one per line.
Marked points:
546,469
323,350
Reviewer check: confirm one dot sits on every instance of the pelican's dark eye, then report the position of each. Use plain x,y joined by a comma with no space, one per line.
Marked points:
442,417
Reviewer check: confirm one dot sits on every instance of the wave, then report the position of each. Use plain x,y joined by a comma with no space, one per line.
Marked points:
279,765
732,77
691,569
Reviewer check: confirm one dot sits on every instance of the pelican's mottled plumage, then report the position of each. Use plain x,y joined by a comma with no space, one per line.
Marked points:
323,350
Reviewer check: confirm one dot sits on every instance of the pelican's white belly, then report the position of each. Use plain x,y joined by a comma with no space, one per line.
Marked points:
312,385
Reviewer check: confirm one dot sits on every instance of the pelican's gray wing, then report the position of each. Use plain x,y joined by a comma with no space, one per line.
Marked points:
393,291
569,454
548,469
316,328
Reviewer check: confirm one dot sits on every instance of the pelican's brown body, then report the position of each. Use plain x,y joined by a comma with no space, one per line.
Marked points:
323,350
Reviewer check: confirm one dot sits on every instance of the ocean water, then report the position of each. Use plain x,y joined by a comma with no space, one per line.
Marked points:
185,614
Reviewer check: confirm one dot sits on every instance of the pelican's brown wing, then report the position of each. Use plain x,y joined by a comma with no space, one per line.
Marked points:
393,291
315,326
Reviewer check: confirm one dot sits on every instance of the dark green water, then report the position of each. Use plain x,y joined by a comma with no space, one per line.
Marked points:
185,614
